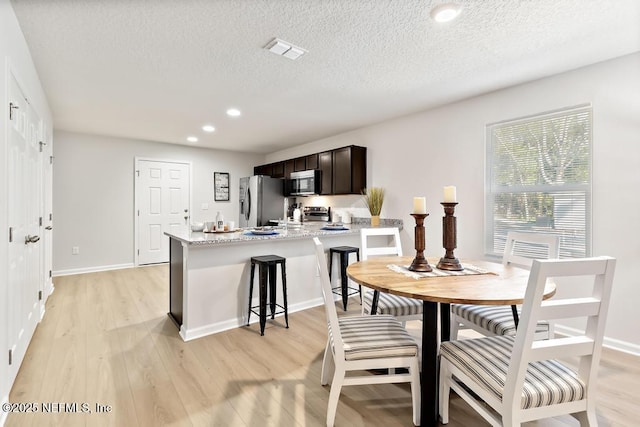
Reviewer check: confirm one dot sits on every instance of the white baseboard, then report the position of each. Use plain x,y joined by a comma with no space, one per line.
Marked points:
191,334
614,344
91,269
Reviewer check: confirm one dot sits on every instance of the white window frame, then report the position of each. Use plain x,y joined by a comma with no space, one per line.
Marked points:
490,190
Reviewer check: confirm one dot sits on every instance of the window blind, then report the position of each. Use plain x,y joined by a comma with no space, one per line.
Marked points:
539,180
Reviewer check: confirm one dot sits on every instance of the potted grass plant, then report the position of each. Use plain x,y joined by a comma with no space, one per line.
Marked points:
373,198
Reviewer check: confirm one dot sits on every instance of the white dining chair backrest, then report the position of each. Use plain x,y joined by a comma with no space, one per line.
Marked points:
521,248
523,379
327,296
367,249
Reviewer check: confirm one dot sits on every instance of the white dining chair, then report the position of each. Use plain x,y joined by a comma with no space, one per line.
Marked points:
521,248
401,308
522,379
361,343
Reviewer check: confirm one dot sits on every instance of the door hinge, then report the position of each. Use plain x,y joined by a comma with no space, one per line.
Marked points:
50,274
40,221
12,107
50,160
138,174
39,295
10,356
10,234
138,252
50,217
138,212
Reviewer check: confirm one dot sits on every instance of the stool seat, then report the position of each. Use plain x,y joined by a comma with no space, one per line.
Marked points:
344,289
268,273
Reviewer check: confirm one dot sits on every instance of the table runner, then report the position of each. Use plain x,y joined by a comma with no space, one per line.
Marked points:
468,270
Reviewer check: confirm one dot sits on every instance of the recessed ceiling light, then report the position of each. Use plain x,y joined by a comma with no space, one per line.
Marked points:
233,112
192,139
445,12
208,128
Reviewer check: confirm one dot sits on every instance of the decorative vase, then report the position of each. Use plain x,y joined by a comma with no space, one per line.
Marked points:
375,220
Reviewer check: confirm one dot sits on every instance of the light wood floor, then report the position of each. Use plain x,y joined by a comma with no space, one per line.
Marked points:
106,339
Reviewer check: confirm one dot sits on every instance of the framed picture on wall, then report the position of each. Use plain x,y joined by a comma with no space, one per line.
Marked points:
221,186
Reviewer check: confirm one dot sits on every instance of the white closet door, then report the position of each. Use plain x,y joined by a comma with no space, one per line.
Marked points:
162,191
24,275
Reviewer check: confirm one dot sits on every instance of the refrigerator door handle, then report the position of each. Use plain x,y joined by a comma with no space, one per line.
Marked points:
248,213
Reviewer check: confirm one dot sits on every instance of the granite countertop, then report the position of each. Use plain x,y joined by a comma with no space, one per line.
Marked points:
306,231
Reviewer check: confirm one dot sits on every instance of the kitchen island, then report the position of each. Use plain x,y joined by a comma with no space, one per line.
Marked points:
209,273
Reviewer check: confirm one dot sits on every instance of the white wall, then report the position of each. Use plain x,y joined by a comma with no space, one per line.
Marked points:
15,56
420,154
93,194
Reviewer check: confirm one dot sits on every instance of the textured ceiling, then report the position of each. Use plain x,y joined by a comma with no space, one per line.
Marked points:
160,69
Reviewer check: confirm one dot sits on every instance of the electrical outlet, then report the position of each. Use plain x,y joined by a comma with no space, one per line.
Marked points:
75,250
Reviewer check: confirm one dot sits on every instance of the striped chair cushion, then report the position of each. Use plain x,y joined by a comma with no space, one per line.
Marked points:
497,319
392,304
369,337
486,360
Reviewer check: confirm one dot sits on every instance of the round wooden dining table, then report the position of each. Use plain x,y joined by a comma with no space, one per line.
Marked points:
482,283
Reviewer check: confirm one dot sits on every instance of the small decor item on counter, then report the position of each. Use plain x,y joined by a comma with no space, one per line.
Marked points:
219,221
296,214
373,198
209,227
346,218
197,226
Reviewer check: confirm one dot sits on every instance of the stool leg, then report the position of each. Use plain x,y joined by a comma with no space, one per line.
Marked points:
284,292
344,260
272,289
263,297
330,263
253,269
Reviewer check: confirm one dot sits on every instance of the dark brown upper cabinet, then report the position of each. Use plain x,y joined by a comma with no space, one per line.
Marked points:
344,170
300,164
349,170
325,164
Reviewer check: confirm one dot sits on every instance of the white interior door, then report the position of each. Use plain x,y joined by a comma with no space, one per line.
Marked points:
162,199
25,276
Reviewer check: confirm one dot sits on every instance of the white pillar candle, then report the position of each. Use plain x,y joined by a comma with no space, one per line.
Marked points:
450,194
419,205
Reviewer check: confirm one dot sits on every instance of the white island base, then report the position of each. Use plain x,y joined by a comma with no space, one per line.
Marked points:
209,276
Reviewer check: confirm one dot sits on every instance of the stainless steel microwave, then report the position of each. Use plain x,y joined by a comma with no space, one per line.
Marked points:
304,183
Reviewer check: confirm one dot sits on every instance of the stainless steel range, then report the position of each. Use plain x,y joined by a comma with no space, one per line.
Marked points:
316,213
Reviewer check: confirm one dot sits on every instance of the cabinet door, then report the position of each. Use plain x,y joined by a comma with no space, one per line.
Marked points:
278,170
358,169
300,164
262,170
325,164
312,161
342,170
289,166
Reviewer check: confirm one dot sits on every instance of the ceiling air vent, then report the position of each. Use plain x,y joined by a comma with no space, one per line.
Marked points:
286,49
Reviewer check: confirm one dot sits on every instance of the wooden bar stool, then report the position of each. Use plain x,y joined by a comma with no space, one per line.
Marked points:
268,273
344,289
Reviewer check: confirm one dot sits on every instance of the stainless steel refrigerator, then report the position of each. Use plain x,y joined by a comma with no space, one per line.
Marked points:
261,199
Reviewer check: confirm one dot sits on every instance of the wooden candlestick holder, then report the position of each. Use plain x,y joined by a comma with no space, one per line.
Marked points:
449,261
420,262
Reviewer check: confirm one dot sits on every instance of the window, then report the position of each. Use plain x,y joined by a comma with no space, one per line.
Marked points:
539,180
